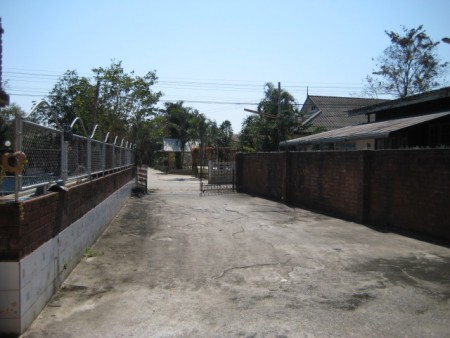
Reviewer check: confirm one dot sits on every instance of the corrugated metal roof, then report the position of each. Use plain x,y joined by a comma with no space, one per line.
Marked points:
363,131
402,102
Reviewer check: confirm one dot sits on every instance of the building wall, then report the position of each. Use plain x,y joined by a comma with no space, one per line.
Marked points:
410,190
329,181
26,225
368,144
261,174
43,239
404,189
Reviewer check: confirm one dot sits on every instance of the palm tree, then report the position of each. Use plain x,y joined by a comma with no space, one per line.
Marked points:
276,121
178,119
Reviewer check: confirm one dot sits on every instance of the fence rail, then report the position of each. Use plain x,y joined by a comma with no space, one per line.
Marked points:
57,157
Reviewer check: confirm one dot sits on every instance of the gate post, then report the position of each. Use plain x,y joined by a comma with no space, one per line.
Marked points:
238,172
285,178
210,166
18,147
233,173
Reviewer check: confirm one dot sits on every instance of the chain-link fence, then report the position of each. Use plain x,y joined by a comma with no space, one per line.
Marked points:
59,157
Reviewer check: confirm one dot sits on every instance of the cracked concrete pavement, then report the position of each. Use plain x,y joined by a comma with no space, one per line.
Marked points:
174,264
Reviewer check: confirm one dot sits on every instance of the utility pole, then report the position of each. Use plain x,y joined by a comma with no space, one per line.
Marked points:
280,121
279,98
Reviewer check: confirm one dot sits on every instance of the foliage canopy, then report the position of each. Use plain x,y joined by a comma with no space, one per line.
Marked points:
276,121
410,65
121,104
188,125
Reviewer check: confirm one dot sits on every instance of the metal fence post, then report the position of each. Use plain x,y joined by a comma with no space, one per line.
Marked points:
125,154
120,153
89,158
18,147
114,154
103,157
56,155
64,159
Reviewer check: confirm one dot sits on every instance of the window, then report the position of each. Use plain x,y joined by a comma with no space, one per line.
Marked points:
439,135
346,146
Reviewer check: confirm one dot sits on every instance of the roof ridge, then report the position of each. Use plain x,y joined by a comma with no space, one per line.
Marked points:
347,97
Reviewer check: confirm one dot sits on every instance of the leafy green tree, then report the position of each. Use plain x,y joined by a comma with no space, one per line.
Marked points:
226,134
198,128
410,65
250,138
119,103
150,136
212,134
179,121
198,132
72,96
276,121
7,114
124,100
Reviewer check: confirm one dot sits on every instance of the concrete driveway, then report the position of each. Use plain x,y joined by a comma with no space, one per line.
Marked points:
174,264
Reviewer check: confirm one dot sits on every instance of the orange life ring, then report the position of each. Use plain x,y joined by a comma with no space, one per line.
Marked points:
13,162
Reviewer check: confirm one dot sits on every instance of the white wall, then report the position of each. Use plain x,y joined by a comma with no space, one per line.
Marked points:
27,286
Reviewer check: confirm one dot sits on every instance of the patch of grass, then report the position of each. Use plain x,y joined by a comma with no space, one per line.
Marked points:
90,252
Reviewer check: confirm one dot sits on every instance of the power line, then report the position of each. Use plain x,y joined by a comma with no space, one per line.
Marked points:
249,88
213,102
232,84
21,74
31,95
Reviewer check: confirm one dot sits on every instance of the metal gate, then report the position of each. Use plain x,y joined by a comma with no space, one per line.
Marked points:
220,177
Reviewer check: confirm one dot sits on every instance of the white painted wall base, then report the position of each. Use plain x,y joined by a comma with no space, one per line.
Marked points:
27,286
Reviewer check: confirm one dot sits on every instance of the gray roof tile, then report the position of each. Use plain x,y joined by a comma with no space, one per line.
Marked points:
333,111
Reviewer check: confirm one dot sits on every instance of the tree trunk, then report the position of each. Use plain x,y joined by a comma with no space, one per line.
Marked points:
178,164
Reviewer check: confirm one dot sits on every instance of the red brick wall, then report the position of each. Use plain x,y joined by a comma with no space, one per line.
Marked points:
411,190
328,181
27,225
406,189
261,174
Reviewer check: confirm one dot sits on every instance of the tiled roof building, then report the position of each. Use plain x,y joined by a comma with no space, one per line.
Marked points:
323,113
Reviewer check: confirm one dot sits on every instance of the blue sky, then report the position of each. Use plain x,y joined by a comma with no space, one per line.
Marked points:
209,52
